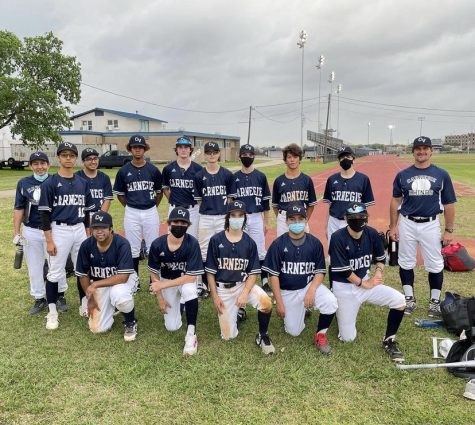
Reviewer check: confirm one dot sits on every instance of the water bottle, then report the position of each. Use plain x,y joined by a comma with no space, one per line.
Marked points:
18,256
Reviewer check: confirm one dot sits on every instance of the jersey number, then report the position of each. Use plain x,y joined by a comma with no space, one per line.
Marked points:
225,198
258,200
81,212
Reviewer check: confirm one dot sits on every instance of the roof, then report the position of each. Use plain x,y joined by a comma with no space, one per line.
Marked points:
120,113
150,133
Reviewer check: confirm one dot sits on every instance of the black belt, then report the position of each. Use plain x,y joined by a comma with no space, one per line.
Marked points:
59,223
226,285
420,219
33,227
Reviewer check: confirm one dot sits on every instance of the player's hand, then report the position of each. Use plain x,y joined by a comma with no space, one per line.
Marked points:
162,304
156,286
92,305
242,299
447,238
90,291
280,309
218,304
309,299
51,248
17,240
371,283
394,233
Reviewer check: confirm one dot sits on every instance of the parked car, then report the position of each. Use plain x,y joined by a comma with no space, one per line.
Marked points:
114,158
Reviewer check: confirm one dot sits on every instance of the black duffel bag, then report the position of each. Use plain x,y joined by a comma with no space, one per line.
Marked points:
458,312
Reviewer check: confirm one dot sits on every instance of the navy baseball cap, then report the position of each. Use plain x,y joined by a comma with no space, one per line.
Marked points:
237,206
296,208
39,156
101,219
345,151
88,152
211,147
356,208
421,141
137,140
183,141
246,148
66,146
179,214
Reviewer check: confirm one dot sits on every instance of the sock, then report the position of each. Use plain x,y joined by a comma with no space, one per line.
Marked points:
324,322
52,308
182,308
191,311
130,316
191,330
136,264
51,292
81,292
394,320
263,319
435,283
408,290
407,280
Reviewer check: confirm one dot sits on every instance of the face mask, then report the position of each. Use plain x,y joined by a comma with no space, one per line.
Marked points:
178,231
346,163
40,178
357,224
246,161
297,228
236,223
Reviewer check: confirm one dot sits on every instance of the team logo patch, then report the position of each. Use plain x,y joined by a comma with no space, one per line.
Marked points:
91,255
162,254
347,248
283,184
173,171
204,178
335,182
181,212
220,245
59,184
237,179
286,250
98,217
129,174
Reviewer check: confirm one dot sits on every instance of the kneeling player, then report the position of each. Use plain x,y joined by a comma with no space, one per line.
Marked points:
106,271
296,265
352,250
232,264
175,263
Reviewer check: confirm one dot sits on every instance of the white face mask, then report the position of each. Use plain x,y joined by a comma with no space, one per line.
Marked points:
40,178
236,223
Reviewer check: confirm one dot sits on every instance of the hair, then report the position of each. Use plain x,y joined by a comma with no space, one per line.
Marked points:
128,147
176,151
226,220
293,149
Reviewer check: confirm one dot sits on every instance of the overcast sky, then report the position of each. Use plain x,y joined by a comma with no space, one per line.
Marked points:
217,56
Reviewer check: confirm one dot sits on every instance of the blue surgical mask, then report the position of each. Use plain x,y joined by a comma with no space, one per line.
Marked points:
236,223
296,228
40,178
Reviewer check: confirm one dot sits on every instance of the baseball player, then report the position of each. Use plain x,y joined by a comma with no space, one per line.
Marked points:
27,198
352,251
345,188
106,272
64,205
214,187
232,265
292,186
178,182
252,188
420,193
138,186
175,262
296,265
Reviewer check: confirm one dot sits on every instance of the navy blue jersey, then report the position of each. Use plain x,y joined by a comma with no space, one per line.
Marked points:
101,188
186,260
232,262
253,190
424,191
180,183
356,255
139,185
27,198
101,265
341,192
213,190
287,190
295,266
67,199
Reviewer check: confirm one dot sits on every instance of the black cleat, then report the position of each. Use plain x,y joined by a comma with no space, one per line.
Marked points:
390,346
39,306
61,304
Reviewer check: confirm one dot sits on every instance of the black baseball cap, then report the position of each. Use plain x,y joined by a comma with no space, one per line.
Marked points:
66,146
356,208
246,148
296,208
236,206
211,147
346,150
39,156
183,141
137,140
179,214
101,219
88,152
421,141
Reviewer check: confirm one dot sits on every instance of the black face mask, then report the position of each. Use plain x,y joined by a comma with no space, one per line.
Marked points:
247,161
357,224
178,231
346,163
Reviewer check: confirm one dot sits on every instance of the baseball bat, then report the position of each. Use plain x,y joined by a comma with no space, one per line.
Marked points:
468,363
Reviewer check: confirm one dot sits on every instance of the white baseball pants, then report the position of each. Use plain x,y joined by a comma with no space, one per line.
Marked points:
209,225
194,218
333,225
141,224
255,229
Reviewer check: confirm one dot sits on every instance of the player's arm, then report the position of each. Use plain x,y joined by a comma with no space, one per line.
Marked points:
309,299
248,284
17,219
166,192
449,218
310,209
121,199
393,217
120,187
158,198
218,302
108,194
106,205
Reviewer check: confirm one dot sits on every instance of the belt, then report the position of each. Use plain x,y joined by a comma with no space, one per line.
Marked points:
226,285
63,223
182,206
420,219
33,227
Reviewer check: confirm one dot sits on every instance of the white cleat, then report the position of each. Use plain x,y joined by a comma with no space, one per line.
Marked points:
191,345
52,321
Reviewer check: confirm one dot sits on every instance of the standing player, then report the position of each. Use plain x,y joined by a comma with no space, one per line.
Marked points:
345,188
252,188
175,262
64,205
25,211
138,186
352,251
296,264
178,182
106,272
420,193
232,265
292,186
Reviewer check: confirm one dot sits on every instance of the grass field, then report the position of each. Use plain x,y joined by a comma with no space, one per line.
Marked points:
73,377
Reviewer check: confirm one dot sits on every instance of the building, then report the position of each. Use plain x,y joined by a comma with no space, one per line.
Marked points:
465,142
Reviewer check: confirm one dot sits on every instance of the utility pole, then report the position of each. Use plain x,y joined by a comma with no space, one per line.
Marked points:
326,128
249,128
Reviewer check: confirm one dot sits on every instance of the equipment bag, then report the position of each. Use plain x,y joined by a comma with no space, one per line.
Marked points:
461,351
458,312
457,259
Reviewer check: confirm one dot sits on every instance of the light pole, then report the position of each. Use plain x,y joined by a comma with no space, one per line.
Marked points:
301,44
331,78
390,126
421,119
369,125
338,91
321,61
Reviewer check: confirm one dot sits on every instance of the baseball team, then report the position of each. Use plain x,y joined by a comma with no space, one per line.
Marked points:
215,244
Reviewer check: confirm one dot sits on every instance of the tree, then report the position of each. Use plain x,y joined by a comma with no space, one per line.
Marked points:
36,78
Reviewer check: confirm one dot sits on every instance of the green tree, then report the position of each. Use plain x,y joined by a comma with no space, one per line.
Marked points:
36,79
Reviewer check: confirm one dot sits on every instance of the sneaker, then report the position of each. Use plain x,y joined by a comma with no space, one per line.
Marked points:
61,304
52,321
321,342
434,308
130,331
83,308
191,345
470,390
39,305
265,343
410,305
390,346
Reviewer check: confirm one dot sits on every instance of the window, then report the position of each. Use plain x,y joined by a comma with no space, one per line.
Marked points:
144,125
114,123
86,125
99,113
